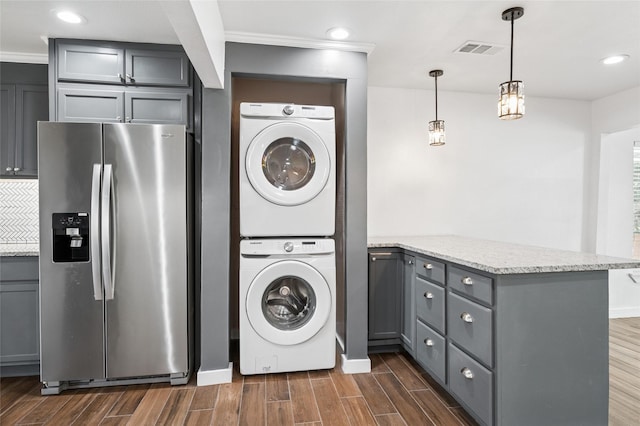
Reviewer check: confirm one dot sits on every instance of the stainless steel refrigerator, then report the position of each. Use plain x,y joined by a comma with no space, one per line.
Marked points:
115,254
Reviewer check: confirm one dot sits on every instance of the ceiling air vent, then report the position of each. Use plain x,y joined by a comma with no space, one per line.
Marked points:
479,48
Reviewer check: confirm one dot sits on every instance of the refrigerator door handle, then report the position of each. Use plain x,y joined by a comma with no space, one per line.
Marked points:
106,232
94,234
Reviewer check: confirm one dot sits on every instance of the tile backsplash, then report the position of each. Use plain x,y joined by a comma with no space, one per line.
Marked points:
19,211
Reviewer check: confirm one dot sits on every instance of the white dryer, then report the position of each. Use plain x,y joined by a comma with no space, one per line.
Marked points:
287,305
287,170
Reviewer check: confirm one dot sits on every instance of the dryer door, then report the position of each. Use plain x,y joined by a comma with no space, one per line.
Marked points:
288,302
288,164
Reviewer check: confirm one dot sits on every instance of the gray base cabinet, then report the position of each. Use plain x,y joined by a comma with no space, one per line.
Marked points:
121,83
23,102
385,297
513,349
19,316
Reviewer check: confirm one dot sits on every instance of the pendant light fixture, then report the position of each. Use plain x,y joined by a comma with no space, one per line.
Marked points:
511,101
436,127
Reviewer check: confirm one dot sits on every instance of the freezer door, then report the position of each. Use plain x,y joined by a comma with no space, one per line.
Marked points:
147,317
71,319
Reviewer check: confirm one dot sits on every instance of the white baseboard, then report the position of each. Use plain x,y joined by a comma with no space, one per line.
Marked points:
624,312
355,366
214,377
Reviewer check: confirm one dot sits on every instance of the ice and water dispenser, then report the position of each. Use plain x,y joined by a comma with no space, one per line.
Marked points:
70,237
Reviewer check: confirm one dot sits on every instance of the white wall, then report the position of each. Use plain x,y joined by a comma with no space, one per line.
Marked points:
615,199
615,124
518,181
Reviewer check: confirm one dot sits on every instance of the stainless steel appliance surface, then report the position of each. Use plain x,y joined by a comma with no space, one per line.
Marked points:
115,254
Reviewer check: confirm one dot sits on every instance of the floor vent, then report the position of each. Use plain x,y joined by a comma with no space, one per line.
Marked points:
479,48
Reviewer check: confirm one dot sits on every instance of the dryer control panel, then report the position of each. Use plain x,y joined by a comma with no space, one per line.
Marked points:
279,111
293,246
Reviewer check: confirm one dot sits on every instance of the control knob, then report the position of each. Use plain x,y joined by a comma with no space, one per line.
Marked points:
288,246
288,110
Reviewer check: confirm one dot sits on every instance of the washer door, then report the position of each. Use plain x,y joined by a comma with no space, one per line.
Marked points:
288,164
288,302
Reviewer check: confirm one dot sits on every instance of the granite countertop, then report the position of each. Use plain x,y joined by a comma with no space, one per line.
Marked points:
503,258
8,250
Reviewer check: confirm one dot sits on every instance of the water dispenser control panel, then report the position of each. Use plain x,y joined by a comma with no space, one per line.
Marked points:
70,237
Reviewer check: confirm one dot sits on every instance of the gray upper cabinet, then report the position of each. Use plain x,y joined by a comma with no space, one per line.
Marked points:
156,67
21,107
32,105
156,107
114,82
7,128
81,105
93,62
90,63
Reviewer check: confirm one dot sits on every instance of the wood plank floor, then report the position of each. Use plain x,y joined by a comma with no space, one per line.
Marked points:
396,392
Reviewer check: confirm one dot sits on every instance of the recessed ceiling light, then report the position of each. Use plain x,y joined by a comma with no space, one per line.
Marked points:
69,17
615,59
338,33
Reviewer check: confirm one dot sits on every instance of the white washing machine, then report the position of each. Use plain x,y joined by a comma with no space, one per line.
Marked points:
287,305
287,170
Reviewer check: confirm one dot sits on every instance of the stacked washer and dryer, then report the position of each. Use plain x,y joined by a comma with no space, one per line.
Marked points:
287,218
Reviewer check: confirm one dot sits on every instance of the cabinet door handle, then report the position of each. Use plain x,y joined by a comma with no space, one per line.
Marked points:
120,77
130,78
467,281
128,119
466,317
427,266
118,118
9,169
428,295
428,342
373,259
411,262
16,169
468,374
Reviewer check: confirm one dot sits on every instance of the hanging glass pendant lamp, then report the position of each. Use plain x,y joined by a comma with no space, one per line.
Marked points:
436,127
511,101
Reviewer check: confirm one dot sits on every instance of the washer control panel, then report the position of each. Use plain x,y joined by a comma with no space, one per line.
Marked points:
293,246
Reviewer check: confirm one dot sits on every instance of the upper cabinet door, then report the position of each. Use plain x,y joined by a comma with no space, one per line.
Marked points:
156,68
7,128
90,63
32,105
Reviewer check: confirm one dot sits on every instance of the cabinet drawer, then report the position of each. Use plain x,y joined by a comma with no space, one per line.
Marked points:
430,350
430,269
430,303
472,383
471,284
470,326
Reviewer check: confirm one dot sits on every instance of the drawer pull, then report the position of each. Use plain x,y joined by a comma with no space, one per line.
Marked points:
428,295
466,317
428,342
411,262
427,266
467,281
468,374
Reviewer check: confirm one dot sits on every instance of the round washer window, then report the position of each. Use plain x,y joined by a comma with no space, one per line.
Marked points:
288,163
288,303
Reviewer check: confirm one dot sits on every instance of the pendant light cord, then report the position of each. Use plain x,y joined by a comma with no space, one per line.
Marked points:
436,77
511,64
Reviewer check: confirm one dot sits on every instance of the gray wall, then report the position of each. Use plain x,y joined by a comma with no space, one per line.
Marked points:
282,63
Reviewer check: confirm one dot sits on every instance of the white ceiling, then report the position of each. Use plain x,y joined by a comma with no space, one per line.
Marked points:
558,44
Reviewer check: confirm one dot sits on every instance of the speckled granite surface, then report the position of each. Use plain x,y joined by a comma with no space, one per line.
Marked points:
503,258
19,250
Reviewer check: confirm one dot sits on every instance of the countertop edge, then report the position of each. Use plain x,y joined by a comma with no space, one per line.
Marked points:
508,270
